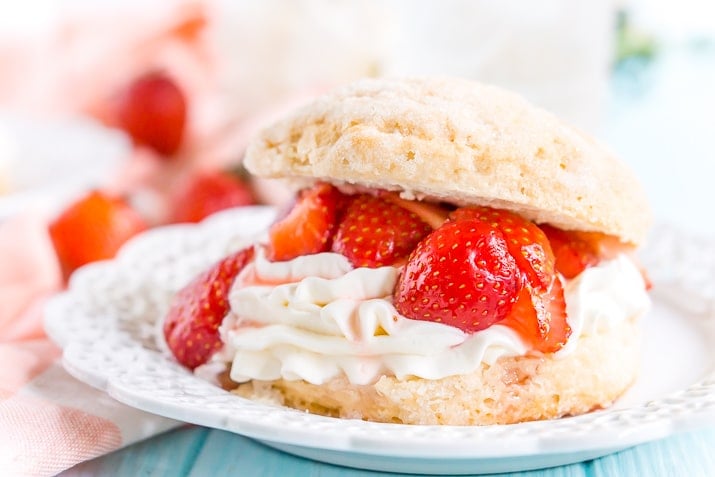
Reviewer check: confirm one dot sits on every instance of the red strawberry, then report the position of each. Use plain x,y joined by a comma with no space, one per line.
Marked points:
191,326
152,109
576,251
540,318
462,275
533,305
308,226
93,228
207,193
527,243
375,232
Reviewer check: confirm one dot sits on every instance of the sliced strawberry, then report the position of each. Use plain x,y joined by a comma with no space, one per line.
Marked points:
191,325
527,243
473,249
577,251
539,315
540,318
93,228
462,275
207,193
308,226
375,232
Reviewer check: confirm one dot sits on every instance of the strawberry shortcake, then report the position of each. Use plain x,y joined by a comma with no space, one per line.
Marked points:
454,255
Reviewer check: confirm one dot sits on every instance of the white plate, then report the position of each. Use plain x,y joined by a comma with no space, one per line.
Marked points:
106,324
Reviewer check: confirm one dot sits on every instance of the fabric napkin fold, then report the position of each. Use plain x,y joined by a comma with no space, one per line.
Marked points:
49,421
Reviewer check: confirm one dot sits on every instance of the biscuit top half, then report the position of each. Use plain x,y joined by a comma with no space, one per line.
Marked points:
456,141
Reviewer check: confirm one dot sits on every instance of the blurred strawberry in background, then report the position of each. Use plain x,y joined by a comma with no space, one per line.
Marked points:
152,110
208,192
93,228
97,224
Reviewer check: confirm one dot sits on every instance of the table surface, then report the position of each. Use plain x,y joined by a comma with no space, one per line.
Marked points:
663,134
197,451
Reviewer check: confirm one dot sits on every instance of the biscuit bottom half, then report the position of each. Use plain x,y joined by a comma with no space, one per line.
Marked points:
517,389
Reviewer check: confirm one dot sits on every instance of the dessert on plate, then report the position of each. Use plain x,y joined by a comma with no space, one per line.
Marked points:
454,255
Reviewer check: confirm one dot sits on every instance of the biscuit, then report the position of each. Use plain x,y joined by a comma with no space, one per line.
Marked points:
512,390
457,141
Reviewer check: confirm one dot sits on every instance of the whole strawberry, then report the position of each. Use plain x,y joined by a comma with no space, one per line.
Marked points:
461,275
191,325
375,232
153,111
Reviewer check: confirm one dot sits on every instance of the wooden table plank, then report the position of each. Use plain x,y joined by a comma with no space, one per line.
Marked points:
196,452
687,455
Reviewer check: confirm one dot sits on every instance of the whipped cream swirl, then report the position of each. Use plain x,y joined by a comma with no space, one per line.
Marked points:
601,297
316,317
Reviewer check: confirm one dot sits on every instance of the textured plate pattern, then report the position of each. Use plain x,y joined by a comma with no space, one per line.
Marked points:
106,323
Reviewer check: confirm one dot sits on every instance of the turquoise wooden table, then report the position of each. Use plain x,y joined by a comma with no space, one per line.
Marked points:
198,451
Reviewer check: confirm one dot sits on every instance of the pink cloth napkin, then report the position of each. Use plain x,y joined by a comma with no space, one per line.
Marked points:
49,421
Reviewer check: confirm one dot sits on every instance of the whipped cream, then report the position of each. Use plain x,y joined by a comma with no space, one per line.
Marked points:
316,317
602,297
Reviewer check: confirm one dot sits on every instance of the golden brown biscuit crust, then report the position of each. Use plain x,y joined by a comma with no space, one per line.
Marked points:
458,141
